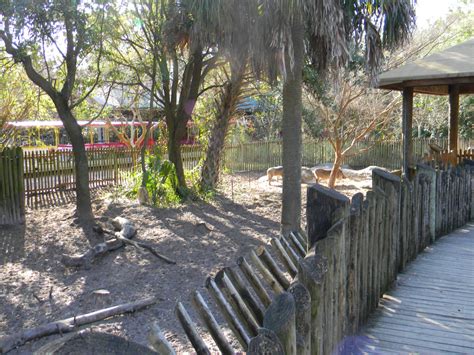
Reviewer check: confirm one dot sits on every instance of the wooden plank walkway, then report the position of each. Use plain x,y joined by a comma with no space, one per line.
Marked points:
431,308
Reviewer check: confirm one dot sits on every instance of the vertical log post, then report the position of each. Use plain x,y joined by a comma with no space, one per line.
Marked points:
407,123
311,274
280,317
453,117
265,343
321,205
303,318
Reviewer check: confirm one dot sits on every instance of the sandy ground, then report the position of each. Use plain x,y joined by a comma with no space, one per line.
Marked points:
36,288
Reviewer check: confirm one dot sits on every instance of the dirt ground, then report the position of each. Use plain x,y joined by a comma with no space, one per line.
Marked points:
35,288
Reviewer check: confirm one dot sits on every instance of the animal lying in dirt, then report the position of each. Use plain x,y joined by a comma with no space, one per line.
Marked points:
275,171
320,174
307,175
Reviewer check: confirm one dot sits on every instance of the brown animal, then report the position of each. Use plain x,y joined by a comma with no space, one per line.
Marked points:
325,173
275,171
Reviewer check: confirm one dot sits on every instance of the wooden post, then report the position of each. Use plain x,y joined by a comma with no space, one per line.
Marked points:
311,273
453,117
303,318
407,121
280,317
266,342
321,205
158,341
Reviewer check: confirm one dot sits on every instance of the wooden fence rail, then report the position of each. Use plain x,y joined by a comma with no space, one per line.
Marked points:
49,174
49,177
12,202
309,295
258,156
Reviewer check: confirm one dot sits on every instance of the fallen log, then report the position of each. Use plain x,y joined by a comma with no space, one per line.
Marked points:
126,231
68,325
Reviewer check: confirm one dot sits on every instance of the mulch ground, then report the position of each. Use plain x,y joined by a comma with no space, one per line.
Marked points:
35,287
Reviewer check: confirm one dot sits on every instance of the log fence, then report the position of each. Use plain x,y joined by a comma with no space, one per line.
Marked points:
311,294
12,201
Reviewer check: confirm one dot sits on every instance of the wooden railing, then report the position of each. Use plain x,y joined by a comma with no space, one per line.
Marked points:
285,299
12,201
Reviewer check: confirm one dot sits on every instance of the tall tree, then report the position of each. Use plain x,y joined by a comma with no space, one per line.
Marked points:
158,50
350,112
225,107
323,31
53,40
283,33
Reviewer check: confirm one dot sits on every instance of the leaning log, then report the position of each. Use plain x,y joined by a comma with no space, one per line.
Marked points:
268,260
246,293
284,257
237,327
212,324
246,315
266,273
158,341
68,325
191,331
250,273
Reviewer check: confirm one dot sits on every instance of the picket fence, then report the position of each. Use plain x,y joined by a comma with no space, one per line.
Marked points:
12,196
49,177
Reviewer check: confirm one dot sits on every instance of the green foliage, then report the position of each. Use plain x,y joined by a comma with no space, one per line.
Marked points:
161,181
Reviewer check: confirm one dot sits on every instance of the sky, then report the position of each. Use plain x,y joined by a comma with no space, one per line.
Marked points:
428,11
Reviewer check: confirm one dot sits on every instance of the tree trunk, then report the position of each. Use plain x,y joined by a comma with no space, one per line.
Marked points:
335,169
212,163
174,154
291,124
74,131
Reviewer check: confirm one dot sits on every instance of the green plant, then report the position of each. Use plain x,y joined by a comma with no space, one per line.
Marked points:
161,181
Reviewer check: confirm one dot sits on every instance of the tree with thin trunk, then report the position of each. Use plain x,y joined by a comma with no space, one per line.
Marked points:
57,42
350,112
163,57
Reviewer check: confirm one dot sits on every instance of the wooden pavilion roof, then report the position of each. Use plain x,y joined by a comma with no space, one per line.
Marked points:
435,73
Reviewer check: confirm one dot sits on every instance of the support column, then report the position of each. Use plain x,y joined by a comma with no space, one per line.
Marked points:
407,123
453,117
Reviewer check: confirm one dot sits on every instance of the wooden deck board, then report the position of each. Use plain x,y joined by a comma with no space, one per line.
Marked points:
431,308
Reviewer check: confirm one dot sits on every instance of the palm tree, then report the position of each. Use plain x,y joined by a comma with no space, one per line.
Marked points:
226,104
282,34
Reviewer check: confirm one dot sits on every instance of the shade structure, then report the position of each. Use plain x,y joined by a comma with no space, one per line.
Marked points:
435,73
448,72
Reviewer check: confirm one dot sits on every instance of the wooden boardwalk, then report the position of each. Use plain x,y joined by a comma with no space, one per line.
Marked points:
431,308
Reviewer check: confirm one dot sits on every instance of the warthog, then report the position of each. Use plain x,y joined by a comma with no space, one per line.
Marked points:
307,175
325,173
275,171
